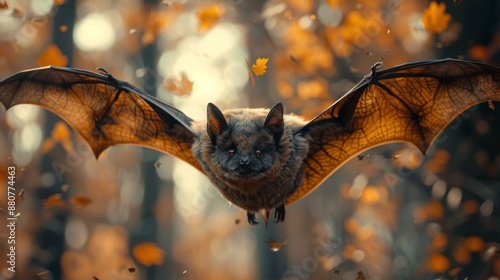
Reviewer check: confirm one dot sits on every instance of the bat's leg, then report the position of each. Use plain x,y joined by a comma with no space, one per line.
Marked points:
251,218
279,213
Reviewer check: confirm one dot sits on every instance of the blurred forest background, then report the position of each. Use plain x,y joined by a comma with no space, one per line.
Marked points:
135,213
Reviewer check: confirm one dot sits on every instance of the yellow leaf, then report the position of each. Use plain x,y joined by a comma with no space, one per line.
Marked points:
52,56
260,67
81,201
148,254
209,16
435,19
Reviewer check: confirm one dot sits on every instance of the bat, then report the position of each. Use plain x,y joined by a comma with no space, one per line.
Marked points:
263,159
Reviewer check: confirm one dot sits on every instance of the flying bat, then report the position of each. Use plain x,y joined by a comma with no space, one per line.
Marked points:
263,159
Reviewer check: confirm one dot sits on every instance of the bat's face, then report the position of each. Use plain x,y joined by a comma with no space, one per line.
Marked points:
245,152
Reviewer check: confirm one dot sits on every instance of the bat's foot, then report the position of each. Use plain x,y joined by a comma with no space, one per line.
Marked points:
279,214
252,220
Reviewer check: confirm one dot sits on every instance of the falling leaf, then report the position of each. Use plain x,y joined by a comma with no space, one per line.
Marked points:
276,245
148,254
63,28
21,194
237,221
337,271
53,201
52,56
491,105
259,68
182,87
361,157
4,5
42,275
81,201
131,269
184,272
360,276
159,20
209,15
157,164
438,263
434,18
61,132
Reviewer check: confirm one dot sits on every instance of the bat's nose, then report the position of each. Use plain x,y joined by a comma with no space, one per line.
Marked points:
244,160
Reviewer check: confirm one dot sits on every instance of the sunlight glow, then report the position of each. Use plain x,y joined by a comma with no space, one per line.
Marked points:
94,32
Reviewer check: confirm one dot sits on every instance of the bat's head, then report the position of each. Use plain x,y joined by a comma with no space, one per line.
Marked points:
245,142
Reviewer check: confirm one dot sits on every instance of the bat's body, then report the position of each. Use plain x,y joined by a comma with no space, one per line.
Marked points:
261,159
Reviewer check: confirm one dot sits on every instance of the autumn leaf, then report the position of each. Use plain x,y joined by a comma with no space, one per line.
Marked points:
131,269
63,28
360,276
148,254
53,201
209,15
260,66
157,164
4,6
42,275
52,56
276,245
491,105
182,87
434,18
81,201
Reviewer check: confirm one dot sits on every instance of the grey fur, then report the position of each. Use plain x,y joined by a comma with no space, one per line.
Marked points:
251,182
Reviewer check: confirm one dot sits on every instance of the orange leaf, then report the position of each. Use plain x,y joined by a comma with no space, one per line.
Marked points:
4,6
63,28
438,263
435,19
61,132
53,201
47,145
148,254
182,87
42,274
276,245
260,67
209,16
52,56
81,201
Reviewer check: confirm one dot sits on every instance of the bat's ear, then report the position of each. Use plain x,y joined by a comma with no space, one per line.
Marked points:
216,122
274,121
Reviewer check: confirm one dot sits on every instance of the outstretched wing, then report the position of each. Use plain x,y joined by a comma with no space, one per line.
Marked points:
104,110
412,103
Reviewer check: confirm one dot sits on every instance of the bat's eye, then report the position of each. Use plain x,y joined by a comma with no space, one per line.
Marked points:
231,152
258,153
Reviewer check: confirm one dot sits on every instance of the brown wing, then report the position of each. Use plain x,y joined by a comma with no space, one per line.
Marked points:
409,103
104,110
